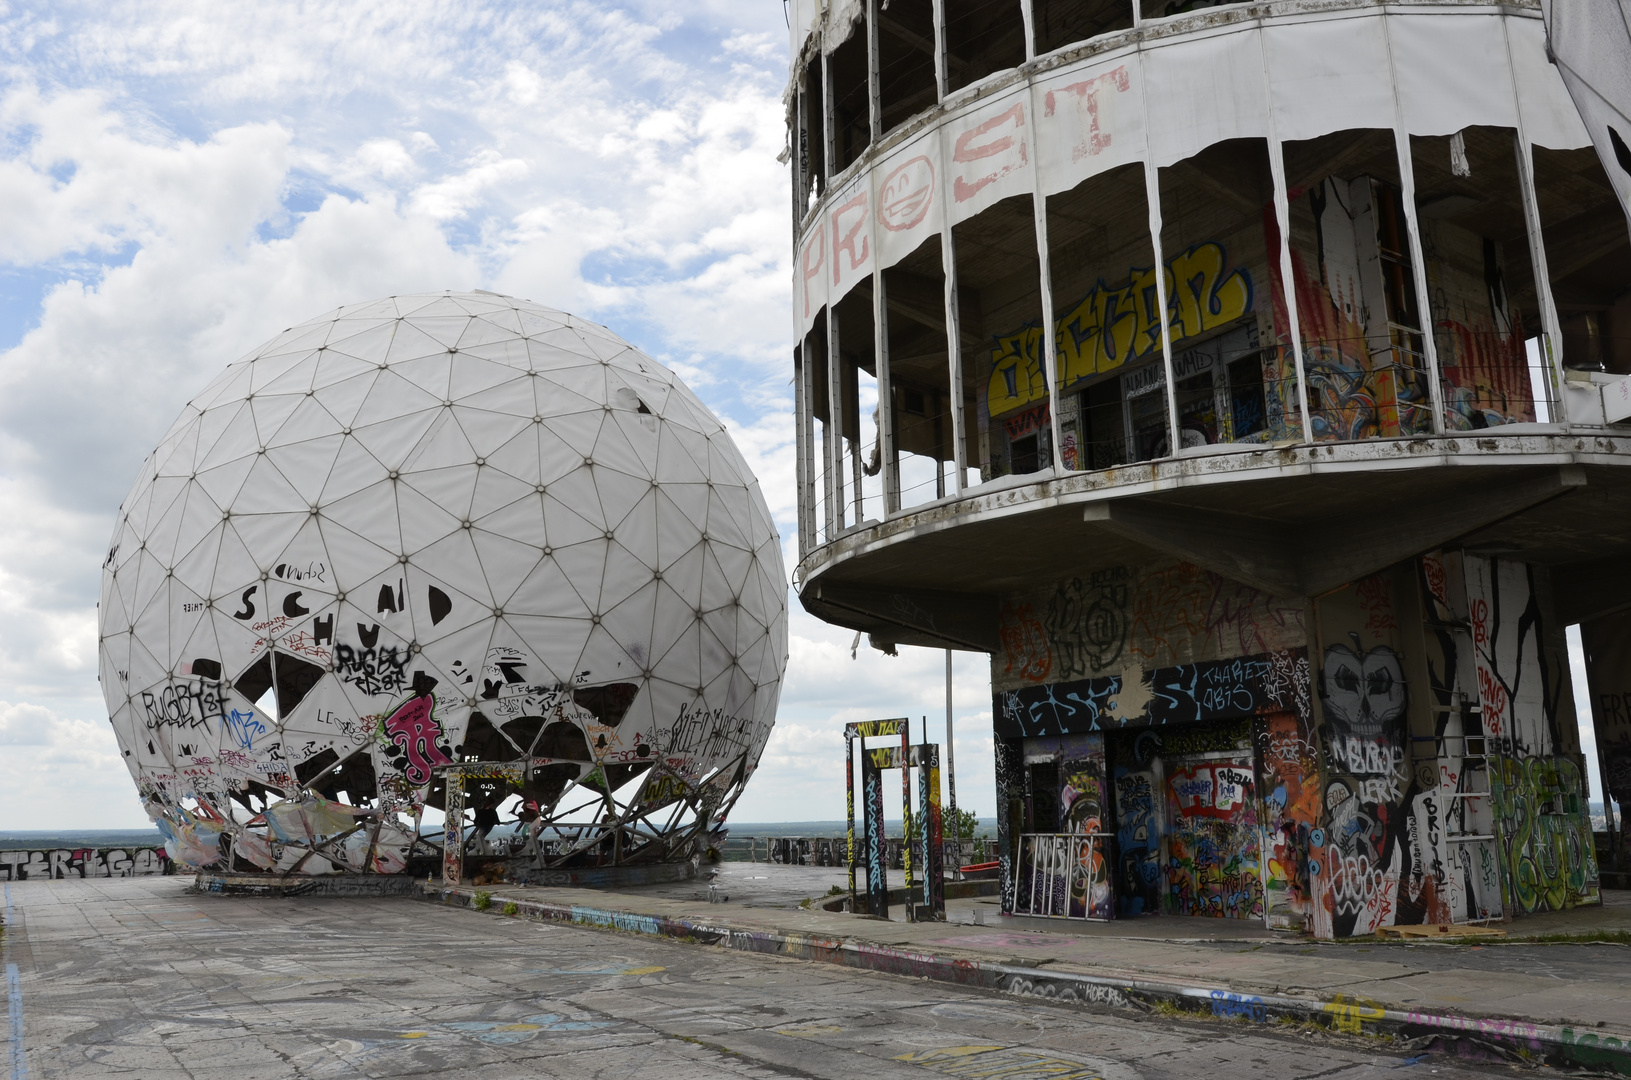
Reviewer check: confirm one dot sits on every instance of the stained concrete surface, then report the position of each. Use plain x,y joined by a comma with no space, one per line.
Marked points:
1586,986
136,978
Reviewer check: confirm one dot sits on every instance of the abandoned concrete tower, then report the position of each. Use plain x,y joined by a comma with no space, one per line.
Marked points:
1248,381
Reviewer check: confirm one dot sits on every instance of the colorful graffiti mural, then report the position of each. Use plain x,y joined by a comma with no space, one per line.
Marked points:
1288,784
1213,866
1547,859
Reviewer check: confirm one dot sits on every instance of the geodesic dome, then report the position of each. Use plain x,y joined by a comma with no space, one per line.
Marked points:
436,529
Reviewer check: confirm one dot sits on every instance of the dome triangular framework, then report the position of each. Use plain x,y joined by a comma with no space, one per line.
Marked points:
412,511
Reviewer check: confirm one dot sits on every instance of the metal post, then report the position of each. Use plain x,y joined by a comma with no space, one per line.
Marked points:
951,768
1418,263
948,261
835,429
1152,192
940,49
835,396
1552,332
1044,269
1152,196
906,812
1282,221
855,455
849,811
873,90
800,434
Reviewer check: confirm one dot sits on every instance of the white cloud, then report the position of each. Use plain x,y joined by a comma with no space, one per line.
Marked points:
183,180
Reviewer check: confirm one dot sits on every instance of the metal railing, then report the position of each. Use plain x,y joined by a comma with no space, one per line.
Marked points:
1058,876
832,850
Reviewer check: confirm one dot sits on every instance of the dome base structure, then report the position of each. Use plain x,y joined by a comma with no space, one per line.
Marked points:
447,539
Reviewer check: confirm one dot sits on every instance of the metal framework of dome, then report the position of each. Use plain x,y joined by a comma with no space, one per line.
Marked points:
431,531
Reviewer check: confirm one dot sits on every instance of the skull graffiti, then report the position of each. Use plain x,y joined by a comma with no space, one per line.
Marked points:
1363,694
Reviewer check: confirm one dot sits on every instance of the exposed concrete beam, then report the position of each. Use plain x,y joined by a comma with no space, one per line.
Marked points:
923,301
1590,590
911,616
919,42
1269,556
1243,549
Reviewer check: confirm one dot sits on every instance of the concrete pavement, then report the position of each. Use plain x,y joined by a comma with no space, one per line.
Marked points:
142,980
1562,1002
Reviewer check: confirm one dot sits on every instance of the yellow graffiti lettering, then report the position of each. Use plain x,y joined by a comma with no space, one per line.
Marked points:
1349,1016
1201,295
1017,374
1112,326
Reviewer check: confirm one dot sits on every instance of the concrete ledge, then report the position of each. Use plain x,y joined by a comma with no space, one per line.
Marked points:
520,871
306,885
1441,1031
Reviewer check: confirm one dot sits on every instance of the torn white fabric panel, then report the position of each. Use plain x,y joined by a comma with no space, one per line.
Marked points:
843,16
849,239
1591,45
1203,89
1090,120
802,17
810,273
1549,116
910,208
1452,72
988,153
1328,75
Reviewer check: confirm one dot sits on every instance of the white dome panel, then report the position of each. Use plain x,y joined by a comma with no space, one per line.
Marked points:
413,510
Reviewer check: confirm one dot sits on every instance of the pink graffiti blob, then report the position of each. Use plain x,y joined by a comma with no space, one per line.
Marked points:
415,731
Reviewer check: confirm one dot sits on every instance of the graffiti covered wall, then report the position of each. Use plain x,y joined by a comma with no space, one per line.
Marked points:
1424,770
1451,787
43,864
1123,621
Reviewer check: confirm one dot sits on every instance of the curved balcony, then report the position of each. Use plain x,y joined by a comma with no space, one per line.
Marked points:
1395,287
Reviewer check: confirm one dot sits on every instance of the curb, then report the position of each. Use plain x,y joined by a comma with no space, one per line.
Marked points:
1462,1036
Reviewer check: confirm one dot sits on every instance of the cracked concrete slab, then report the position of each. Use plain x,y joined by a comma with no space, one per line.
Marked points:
135,978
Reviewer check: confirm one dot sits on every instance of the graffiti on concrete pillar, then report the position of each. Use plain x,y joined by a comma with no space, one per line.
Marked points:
1364,696
1288,784
1548,862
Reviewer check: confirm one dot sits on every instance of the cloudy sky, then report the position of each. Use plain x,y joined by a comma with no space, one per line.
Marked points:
180,181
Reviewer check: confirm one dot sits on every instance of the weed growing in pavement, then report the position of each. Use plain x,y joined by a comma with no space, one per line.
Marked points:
483,901
511,908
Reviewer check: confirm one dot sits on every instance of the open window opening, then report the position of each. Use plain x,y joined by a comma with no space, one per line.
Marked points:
1099,256
1062,23
997,261
1480,276
1588,259
812,144
851,97
858,398
1161,9
983,37
906,82
1215,245
1363,348
919,375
